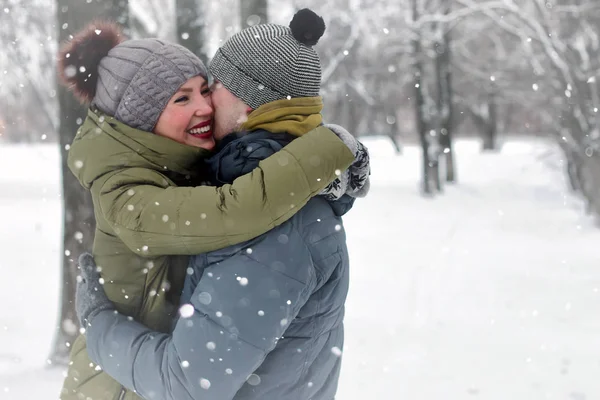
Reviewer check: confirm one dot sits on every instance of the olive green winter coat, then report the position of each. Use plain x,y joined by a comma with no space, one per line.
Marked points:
149,218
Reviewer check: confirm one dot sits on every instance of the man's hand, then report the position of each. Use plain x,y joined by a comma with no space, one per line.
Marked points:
90,298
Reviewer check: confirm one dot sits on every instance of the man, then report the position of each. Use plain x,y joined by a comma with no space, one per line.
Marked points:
261,320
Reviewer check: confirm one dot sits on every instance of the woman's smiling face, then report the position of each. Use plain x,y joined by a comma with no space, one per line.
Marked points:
188,116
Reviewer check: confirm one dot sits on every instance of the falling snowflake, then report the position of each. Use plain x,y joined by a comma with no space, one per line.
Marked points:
205,298
253,380
70,71
186,310
204,383
68,326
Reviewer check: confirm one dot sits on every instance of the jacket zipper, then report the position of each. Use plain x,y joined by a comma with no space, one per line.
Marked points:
122,394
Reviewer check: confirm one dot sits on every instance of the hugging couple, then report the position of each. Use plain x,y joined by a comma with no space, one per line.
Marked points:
219,268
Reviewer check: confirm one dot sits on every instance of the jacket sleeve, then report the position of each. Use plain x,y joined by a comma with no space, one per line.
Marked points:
238,312
154,218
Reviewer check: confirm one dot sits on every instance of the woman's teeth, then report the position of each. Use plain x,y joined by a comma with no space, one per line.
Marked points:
198,131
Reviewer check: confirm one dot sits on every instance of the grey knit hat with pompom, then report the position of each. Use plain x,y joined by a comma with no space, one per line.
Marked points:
270,62
130,80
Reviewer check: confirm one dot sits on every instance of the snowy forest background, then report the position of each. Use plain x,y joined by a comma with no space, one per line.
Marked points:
416,71
491,283
423,70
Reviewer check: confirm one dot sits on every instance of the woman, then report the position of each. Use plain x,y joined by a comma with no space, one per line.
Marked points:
138,153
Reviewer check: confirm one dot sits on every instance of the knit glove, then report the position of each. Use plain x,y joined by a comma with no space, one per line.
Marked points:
355,180
90,298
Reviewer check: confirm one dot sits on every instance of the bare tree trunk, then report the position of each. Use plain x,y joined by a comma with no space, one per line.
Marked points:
445,106
420,105
490,130
345,111
394,129
79,223
574,166
441,102
388,110
354,114
396,143
190,27
253,12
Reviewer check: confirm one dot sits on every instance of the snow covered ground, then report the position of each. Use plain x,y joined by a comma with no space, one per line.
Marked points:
490,291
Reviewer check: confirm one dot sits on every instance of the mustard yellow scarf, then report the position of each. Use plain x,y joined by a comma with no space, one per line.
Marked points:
295,116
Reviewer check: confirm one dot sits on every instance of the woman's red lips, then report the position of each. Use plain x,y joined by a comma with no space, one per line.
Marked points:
202,135
200,125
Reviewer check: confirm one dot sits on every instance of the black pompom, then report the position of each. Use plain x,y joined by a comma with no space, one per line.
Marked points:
79,58
307,27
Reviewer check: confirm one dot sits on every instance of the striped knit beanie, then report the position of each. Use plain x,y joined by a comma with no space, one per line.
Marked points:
269,62
130,80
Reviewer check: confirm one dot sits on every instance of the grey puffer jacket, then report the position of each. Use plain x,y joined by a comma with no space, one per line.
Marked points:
263,319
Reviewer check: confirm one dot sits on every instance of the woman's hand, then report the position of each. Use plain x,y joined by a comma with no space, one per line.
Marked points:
355,180
90,298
